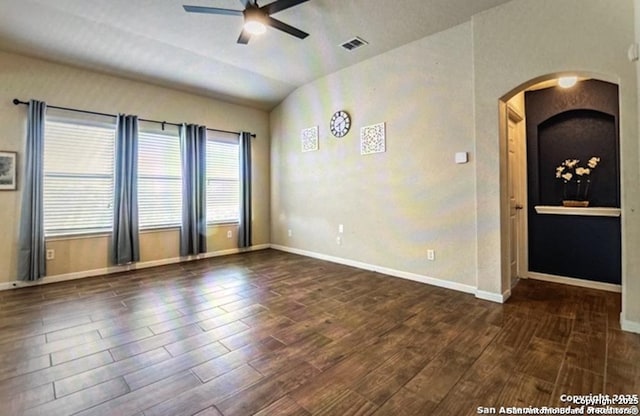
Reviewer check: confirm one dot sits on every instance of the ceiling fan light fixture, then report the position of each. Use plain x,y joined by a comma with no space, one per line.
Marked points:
255,27
254,20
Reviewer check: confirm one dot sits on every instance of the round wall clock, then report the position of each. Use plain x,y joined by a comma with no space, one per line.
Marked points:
340,123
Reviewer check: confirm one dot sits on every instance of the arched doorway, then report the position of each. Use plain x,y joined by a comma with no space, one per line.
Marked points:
578,246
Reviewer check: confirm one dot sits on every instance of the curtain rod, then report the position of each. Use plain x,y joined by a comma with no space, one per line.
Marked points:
163,123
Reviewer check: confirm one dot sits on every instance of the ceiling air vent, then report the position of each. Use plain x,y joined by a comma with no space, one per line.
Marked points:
354,43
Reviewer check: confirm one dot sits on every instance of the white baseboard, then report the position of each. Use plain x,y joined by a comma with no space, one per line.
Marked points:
609,287
629,326
134,266
493,297
380,269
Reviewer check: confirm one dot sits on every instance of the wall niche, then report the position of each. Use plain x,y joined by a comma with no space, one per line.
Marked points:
575,123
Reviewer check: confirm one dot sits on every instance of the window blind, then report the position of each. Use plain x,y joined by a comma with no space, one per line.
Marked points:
159,180
223,181
78,178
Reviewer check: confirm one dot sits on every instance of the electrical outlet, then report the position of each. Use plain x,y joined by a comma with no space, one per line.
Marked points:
339,240
229,234
51,254
289,232
431,255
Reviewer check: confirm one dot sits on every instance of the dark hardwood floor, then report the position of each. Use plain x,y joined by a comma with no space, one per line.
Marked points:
271,333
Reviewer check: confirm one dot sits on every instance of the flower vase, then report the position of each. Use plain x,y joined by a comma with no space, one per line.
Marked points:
576,194
574,203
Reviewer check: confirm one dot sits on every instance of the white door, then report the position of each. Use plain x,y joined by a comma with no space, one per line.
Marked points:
516,184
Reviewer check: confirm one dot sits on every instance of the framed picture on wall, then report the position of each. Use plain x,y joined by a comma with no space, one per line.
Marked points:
310,139
8,171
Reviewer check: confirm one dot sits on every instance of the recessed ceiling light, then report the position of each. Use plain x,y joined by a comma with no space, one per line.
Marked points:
567,82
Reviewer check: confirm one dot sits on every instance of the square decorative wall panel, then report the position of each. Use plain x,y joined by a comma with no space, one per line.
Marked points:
372,139
309,139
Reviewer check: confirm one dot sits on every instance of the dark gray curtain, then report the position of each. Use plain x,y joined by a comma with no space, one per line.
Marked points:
31,247
193,233
125,244
244,231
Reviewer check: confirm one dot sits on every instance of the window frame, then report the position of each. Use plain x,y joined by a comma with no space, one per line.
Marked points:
168,132
223,138
87,121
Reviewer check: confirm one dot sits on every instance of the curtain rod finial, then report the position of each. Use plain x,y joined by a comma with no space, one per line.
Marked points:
16,101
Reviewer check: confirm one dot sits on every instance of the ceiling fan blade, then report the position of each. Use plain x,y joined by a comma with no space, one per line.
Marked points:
277,24
212,10
279,5
244,37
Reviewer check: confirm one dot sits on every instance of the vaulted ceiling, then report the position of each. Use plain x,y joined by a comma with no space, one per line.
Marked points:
157,41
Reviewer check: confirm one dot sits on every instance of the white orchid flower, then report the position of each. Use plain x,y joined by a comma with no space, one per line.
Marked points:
582,171
569,169
572,163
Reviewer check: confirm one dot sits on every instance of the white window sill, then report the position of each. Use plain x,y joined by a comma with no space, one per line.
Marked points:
78,235
98,234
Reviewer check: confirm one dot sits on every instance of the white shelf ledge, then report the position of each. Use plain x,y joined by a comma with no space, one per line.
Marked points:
585,211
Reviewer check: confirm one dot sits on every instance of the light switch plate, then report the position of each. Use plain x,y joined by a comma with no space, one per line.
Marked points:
462,157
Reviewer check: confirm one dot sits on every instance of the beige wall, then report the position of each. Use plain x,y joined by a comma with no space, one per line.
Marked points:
394,205
631,288
25,78
86,253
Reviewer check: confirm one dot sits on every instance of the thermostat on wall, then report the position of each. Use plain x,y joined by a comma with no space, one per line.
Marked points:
462,157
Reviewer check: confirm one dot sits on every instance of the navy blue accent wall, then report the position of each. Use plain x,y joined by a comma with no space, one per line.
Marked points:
579,122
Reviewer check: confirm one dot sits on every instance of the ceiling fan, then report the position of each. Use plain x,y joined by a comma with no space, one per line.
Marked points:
256,18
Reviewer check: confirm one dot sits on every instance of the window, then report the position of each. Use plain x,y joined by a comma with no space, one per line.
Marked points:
78,177
159,180
223,180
